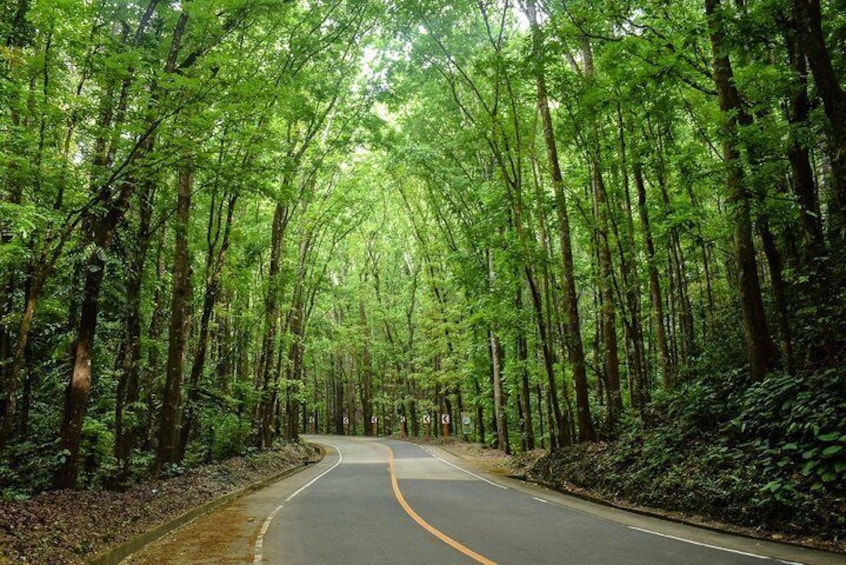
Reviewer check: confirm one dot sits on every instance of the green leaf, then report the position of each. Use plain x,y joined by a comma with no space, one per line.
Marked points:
832,450
809,466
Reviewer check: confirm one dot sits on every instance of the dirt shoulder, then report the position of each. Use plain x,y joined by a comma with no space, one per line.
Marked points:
69,527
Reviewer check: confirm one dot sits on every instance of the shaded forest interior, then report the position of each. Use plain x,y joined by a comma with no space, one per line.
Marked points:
225,223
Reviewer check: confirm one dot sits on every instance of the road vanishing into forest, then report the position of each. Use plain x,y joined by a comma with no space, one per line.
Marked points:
381,501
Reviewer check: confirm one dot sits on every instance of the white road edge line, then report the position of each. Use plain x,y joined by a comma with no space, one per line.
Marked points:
541,500
257,556
463,470
710,546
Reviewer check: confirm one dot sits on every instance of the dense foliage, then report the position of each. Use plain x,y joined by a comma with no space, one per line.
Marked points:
229,222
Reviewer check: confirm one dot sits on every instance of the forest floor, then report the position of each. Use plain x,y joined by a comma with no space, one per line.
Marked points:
561,472
68,527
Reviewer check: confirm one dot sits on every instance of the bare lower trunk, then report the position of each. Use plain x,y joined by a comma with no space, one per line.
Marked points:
79,387
179,327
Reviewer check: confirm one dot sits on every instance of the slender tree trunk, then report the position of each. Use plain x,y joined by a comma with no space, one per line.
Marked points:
179,327
606,279
804,186
774,262
808,15
76,396
763,354
366,372
657,300
480,413
631,282
587,432
267,365
214,267
157,327
499,395
19,351
525,391
496,376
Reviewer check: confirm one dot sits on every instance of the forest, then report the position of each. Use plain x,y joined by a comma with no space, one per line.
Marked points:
612,230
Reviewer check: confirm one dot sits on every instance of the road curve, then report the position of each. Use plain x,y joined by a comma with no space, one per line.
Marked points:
380,501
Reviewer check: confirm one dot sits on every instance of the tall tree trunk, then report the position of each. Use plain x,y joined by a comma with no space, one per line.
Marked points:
606,283
179,327
295,369
774,263
808,15
656,299
631,282
267,365
215,258
496,376
804,186
366,371
79,387
762,352
499,394
156,329
18,353
587,432
525,390
128,384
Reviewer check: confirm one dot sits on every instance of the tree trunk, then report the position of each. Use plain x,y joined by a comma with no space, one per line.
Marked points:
587,432
215,259
804,186
808,16
496,375
657,300
498,393
762,352
525,391
267,365
128,384
79,387
606,281
179,327
18,354
366,372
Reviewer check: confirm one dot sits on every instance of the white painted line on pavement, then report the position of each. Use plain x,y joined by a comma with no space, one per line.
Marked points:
463,470
541,500
257,556
717,547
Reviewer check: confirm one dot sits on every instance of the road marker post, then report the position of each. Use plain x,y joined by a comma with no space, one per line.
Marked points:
404,430
445,425
428,421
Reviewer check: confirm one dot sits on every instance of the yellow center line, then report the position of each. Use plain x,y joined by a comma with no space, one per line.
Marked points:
426,525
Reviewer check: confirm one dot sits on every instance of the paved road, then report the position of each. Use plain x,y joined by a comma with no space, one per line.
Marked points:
388,502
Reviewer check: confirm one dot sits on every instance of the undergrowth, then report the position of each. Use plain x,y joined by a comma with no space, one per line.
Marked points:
770,456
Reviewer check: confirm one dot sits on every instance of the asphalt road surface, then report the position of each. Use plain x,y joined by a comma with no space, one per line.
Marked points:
379,501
